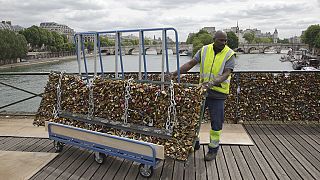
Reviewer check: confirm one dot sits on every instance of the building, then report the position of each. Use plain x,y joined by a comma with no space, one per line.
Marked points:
211,30
295,39
59,28
7,25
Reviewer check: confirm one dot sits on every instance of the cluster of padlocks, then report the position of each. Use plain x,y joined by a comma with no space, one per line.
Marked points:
175,108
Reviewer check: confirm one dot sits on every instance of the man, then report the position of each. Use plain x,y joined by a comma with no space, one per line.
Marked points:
217,62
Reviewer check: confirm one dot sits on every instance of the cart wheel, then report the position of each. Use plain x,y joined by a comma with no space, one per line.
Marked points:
98,157
58,146
146,170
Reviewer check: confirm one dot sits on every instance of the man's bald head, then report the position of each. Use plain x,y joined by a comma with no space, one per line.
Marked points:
220,34
220,40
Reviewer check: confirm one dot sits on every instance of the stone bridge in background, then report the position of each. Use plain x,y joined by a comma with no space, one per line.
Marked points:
264,47
129,50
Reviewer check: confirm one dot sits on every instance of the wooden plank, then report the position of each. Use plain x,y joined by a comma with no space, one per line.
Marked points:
285,163
123,170
12,143
157,170
83,168
133,171
5,140
108,140
75,165
271,160
231,163
200,164
167,169
113,170
252,163
312,130
190,172
304,167
33,143
316,127
40,145
308,132
305,136
91,170
66,163
105,166
23,145
242,164
211,167
222,166
47,170
302,145
178,170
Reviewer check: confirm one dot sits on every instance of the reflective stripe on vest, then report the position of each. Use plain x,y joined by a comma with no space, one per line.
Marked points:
214,138
213,64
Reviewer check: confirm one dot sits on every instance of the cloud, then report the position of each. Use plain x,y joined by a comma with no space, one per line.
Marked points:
184,15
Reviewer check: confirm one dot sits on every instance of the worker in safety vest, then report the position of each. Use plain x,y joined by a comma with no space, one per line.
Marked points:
217,61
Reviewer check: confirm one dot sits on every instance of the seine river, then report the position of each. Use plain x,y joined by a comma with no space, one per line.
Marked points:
250,62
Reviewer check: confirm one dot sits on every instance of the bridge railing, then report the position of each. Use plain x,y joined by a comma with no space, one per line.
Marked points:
255,95
79,39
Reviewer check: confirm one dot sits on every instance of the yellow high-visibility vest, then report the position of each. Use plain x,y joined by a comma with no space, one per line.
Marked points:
213,64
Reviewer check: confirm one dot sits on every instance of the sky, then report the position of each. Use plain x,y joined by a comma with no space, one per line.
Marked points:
289,17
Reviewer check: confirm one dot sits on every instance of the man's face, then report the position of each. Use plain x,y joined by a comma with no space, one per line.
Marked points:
220,42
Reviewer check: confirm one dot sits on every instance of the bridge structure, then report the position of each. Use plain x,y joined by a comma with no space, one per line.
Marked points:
263,47
129,50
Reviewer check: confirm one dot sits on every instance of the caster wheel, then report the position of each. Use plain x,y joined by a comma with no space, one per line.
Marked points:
98,157
197,145
58,146
146,170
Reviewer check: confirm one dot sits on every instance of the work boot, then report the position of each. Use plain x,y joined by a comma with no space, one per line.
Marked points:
210,156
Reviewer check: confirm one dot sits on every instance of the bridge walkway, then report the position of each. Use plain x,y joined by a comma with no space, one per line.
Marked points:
281,151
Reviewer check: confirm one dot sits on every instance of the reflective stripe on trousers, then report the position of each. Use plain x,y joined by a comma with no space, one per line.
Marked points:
214,138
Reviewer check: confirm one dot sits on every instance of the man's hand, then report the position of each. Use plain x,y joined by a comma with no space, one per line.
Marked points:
207,85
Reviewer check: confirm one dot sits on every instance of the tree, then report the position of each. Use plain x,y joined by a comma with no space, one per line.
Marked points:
12,45
317,41
233,41
310,36
249,37
199,39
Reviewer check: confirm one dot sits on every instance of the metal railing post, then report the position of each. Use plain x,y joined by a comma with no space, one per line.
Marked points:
79,53
140,53
95,53
163,58
116,55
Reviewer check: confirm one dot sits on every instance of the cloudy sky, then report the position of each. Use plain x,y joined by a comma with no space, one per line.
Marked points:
289,17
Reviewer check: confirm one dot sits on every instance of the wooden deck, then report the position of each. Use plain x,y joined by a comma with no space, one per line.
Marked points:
280,152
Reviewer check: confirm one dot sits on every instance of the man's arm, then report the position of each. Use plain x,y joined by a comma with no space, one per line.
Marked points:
186,67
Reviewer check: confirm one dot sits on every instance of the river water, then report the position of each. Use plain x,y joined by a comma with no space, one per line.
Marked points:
130,63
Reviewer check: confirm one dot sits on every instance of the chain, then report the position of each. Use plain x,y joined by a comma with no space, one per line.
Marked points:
56,110
127,96
91,100
171,110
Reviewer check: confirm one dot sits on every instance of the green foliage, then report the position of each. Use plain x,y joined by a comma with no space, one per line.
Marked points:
249,37
12,45
50,40
233,41
199,39
263,40
310,36
317,41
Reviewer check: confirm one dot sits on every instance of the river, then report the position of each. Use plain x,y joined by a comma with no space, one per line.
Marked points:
130,63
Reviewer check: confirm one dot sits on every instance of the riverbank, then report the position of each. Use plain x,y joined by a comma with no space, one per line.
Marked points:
37,61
